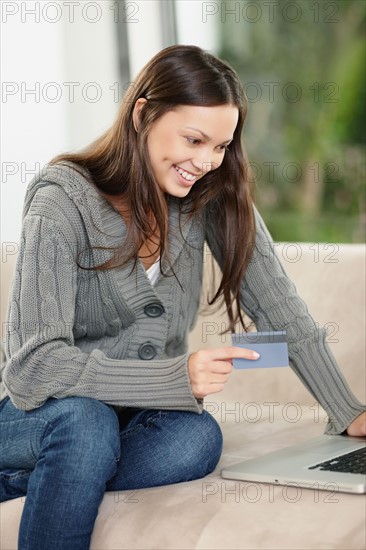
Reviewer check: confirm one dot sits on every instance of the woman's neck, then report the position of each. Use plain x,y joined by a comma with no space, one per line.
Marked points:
150,249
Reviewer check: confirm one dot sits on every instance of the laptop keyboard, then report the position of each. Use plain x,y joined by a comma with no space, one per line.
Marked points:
352,463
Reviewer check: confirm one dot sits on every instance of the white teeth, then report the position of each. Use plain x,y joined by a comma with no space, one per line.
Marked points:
185,175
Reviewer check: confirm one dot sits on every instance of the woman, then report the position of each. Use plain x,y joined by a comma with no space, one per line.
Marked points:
99,392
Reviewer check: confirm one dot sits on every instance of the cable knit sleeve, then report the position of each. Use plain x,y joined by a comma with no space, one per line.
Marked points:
42,358
269,298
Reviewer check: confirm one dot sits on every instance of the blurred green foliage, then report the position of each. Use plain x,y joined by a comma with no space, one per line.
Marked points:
302,65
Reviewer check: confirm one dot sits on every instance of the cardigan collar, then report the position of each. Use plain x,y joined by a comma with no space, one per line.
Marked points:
105,226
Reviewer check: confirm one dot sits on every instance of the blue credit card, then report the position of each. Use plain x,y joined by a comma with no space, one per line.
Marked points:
271,346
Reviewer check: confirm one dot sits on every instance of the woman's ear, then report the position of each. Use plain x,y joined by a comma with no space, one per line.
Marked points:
136,112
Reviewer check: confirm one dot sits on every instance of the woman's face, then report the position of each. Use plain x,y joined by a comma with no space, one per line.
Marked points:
188,142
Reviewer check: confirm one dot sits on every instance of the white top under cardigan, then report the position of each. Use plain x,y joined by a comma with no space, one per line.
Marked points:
153,272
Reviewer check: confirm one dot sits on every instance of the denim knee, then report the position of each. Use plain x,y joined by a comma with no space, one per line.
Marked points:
202,445
165,447
85,434
212,440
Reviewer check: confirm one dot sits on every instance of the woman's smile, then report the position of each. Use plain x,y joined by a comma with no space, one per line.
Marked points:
184,177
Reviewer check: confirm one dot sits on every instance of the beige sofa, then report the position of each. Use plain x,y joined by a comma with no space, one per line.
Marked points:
259,411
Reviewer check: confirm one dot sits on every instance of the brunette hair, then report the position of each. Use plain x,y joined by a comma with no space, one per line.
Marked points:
119,164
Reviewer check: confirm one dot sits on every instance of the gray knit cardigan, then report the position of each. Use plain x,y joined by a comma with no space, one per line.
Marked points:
111,335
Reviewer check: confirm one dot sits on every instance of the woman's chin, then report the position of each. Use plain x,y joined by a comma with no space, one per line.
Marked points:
176,188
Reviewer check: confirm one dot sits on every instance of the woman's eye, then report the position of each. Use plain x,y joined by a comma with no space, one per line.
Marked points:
223,148
195,140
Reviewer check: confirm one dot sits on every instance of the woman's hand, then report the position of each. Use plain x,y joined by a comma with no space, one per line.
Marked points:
358,426
209,369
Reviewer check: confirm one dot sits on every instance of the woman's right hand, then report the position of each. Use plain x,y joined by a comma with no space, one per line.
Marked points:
209,369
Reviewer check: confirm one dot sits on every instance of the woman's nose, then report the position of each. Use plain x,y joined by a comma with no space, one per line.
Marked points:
205,162
202,166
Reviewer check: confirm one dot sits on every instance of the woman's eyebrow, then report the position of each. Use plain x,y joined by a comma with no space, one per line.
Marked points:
205,135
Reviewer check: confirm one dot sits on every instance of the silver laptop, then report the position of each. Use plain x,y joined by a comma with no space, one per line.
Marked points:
328,462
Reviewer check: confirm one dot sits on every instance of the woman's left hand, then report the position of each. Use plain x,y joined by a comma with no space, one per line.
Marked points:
358,426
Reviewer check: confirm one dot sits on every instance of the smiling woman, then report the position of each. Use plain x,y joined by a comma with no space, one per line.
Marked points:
99,391
178,154
170,139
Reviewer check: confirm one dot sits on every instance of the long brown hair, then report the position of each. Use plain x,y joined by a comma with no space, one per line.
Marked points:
120,168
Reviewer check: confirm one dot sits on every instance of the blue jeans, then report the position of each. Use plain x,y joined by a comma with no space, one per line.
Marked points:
64,455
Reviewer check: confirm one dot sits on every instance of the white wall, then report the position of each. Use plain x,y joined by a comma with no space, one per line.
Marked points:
143,32
196,25
46,45
33,129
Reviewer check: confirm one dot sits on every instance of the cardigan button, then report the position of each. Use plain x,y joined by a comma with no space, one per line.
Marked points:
154,310
147,351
